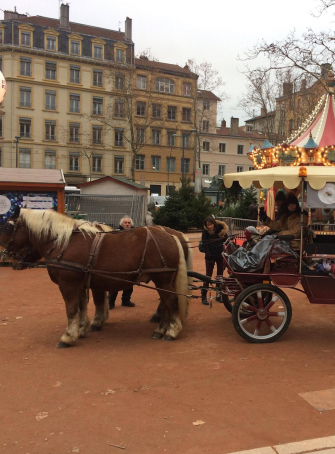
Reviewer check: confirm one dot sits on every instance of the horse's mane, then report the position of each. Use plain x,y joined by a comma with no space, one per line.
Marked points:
45,223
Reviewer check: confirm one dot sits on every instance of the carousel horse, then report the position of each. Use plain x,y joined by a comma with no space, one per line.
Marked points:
80,257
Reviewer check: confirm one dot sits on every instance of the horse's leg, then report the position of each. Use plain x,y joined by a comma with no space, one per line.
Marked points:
170,323
157,316
71,293
101,309
84,322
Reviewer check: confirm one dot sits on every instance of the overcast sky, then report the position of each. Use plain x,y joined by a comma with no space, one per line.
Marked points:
216,31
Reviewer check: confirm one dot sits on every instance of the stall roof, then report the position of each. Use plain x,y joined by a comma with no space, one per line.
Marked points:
43,176
280,176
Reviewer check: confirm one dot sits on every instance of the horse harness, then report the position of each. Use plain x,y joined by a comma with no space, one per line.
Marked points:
89,270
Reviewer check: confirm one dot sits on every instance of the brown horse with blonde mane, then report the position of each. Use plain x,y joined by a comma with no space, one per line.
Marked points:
80,257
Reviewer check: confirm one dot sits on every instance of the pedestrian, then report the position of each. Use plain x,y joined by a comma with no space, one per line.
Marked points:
126,223
213,235
281,205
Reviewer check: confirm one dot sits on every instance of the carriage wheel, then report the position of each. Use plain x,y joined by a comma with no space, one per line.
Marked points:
261,313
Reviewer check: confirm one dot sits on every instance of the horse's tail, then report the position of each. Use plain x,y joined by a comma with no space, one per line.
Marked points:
181,282
189,260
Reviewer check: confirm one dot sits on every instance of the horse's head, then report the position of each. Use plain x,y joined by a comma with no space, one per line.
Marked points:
14,243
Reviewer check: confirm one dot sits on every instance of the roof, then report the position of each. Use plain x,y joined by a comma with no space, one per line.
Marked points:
267,115
45,176
74,28
224,131
206,94
321,125
149,64
122,180
317,176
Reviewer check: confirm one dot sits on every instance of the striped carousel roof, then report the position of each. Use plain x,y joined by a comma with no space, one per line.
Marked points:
320,125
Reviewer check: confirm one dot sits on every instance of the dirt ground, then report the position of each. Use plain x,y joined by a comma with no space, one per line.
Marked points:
120,387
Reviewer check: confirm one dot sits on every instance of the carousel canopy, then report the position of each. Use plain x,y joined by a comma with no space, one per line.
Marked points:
282,176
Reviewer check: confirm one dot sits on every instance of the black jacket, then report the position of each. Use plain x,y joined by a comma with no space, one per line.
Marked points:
212,248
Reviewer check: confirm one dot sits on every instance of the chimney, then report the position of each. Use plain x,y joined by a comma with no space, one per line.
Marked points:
64,15
223,124
325,68
9,15
128,28
234,126
303,85
263,111
287,88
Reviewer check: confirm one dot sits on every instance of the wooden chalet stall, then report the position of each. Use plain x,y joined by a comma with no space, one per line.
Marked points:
30,188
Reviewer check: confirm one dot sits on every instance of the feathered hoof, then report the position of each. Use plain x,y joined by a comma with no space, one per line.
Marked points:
168,338
155,318
63,345
156,335
96,328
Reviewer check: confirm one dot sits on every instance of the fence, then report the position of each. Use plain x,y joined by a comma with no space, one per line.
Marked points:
107,209
237,226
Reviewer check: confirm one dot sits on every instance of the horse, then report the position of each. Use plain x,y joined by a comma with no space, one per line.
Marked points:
80,257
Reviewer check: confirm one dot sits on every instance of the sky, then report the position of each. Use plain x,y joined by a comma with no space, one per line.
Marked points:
215,32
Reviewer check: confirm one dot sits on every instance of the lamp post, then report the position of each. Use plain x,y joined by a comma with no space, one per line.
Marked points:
16,149
183,155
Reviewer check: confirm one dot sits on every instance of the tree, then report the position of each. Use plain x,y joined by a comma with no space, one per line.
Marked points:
183,209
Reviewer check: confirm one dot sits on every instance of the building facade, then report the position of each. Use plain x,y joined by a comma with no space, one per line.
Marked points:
59,88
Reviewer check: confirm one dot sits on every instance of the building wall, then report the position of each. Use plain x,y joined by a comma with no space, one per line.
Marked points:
111,188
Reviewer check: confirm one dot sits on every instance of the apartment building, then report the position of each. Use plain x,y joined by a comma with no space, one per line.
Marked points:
63,79
163,121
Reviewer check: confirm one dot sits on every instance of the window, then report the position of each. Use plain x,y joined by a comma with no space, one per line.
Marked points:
25,128
74,103
118,164
119,81
97,51
97,106
1,37
24,158
140,108
249,128
74,162
97,134
170,164
140,162
119,108
25,66
75,47
49,159
206,104
205,146
25,39
187,140
169,189
25,97
50,70
222,147
0,63
290,126
239,168
74,132
185,165
50,100
0,126
205,169
97,163
251,168
187,89
156,137
222,169
164,85
50,130
140,135
171,139
97,77
156,110
120,55
118,136
51,45
240,149
74,74
205,126
141,82
172,113
186,114
155,163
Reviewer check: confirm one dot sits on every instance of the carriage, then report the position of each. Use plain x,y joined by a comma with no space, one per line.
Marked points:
261,310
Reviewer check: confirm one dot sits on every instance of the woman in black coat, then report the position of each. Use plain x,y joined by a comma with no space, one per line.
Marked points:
213,235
